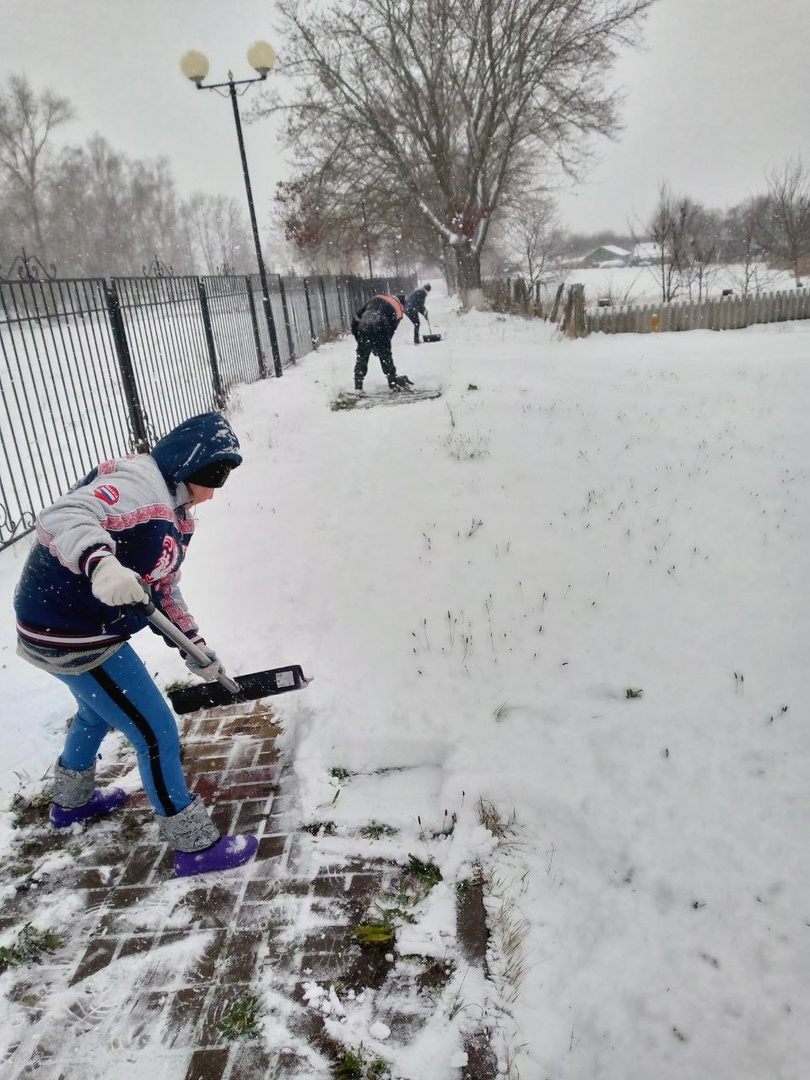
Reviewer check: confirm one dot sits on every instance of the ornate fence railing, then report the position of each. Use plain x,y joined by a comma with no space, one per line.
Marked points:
91,368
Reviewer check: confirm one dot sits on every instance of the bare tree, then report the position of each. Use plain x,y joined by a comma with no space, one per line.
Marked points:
703,233
686,240
110,214
86,190
27,121
449,103
220,234
668,231
7,248
153,210
785,227
322,230
531,239
743,232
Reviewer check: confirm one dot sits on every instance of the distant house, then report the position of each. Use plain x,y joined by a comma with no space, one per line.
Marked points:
607,256
647,254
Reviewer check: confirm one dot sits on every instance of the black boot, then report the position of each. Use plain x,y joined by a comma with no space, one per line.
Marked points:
399,382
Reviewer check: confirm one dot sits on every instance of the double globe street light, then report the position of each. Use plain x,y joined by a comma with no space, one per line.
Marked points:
261,58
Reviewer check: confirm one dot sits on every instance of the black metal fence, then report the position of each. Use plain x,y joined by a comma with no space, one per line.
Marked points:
94,368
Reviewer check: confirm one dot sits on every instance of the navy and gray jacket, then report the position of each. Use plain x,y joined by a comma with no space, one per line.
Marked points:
134,508
415,303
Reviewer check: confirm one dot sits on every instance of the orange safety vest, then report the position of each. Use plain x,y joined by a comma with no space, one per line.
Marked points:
395,304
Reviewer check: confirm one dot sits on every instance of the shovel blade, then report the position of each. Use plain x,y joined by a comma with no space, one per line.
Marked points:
431,337
260,684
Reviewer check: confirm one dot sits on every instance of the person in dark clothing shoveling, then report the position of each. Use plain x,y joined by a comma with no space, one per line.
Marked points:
415,306
117,533
374,326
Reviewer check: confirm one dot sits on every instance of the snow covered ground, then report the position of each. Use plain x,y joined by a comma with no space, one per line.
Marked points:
569,596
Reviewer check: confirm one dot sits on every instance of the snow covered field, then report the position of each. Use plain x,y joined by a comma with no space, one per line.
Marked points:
642,284
570,593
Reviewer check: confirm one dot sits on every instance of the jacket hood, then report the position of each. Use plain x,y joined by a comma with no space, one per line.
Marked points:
195,443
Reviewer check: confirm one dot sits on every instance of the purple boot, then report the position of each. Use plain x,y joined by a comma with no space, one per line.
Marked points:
76,797
225,854
103,801
198,844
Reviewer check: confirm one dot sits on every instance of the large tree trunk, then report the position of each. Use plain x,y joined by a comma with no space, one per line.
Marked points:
468,274
448,264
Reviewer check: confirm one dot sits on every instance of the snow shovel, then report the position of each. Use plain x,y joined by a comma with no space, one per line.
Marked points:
431,336
225,691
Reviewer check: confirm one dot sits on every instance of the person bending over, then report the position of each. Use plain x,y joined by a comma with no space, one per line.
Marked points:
374,326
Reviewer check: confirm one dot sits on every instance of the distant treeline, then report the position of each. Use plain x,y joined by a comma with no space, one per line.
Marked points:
92,211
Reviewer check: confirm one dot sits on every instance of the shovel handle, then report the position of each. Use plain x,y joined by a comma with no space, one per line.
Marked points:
170,631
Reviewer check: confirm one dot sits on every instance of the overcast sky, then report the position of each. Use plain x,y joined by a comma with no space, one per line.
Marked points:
718,97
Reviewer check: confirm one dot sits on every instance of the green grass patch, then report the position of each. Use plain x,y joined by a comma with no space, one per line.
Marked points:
377,829
242,1022
352,1065
321,828
28,948
427,873
179,684
22,869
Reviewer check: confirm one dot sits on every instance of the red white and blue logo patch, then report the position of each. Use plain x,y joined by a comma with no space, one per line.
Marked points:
168,562
108,494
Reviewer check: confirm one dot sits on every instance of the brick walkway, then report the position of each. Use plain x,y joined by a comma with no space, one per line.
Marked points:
162,972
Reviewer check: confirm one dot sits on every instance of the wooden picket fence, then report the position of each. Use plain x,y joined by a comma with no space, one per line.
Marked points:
726,313
575,319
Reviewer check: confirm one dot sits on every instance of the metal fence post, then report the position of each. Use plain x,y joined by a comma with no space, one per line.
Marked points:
220,396
325,308
286,311
271,326
254,322
312,336
341,305
137,419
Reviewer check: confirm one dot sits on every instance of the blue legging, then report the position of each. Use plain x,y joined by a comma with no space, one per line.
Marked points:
120,694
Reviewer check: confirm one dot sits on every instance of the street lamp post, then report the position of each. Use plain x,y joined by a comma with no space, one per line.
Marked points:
261,58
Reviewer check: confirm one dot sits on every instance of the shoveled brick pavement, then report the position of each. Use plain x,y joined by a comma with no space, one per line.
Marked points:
152,967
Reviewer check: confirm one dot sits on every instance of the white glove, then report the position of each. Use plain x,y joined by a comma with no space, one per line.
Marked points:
208,671
115,584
